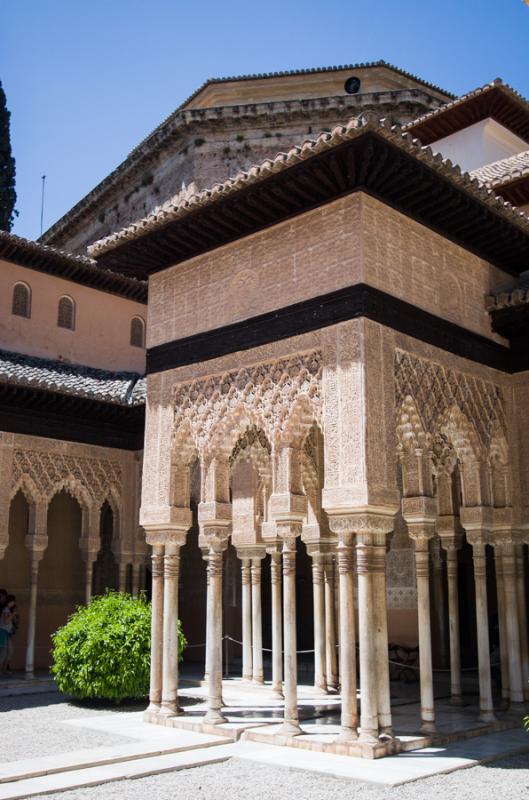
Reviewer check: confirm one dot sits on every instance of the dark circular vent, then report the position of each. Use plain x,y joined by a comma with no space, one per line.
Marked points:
352,85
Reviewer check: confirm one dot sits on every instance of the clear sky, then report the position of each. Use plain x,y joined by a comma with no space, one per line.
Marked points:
86,80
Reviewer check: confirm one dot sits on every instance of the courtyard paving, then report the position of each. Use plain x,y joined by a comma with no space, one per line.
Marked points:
66,750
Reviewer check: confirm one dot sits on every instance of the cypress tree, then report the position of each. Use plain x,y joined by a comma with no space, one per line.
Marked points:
8,195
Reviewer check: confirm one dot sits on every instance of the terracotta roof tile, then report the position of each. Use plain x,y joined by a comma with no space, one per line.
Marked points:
185,203
504,171
120,388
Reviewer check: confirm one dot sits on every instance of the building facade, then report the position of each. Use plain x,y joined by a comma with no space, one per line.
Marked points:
335,451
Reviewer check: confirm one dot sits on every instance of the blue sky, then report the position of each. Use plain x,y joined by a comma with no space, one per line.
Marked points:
86,80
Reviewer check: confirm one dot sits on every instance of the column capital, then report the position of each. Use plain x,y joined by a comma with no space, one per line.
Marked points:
362,521
288,530
164,536
36,544
251,552
215,538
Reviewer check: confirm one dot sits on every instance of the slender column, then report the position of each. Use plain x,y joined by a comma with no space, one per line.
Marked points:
89,575
381,636
122,576
170,632
205,679
289,532
349,718
277,633
214,630
453,626
257,623
366,626
438,611
502,625
247,669
422,569
330,626
36,556
320,680
522,618
155,692
482,623
513,626
136,569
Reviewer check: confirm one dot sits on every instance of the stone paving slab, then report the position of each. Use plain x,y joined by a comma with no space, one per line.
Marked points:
393,770
146,741
94,776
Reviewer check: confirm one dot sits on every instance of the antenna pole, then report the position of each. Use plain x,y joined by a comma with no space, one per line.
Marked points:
42,205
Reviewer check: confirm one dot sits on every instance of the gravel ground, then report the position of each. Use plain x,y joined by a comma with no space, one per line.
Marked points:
239,780
32,726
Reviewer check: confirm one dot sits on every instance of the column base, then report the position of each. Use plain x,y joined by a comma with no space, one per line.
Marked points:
386,731
258,681
169,709
246,678
29,675
368,736
289,728
321,687
277,691
428,726
214,717
153,708
487,716
347,735
456,700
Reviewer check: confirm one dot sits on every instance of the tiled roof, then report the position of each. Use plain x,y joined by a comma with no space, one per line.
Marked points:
167,129
184,203
424,126
315,71
504,171
515,294
79,269
119,388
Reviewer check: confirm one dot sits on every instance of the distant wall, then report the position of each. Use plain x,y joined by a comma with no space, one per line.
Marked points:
101,337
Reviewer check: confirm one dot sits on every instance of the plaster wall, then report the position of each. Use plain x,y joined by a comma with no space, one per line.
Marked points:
101,337
354,239
479,144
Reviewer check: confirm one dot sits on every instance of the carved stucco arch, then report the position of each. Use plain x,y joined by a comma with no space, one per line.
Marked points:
27,486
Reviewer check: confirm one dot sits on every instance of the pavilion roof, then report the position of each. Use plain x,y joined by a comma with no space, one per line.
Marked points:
366,154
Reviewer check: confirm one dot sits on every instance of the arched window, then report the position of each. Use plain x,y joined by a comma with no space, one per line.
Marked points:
21,305
137,332
66,313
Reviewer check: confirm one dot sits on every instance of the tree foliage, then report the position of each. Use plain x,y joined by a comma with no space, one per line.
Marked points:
103,651
8,195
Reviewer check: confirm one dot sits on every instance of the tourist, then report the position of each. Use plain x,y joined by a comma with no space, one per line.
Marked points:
8,625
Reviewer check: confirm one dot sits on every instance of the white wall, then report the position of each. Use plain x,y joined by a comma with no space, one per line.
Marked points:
479,144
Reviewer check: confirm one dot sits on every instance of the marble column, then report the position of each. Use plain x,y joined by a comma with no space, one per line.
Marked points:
136,574
277,627
169,706
478,538
289,532
451,543
522,617
381,635
511,613
122,572
217,544
36,554
89,559
155,692
257,623
420,515
247,669
318,592
331,655
438,598
366,627
349,715
502,626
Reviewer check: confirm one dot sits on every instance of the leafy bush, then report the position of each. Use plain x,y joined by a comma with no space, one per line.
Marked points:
103,651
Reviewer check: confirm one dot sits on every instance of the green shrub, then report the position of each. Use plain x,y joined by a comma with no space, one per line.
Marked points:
103,651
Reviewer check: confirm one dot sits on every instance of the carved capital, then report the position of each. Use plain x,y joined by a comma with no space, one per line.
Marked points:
36,544
216,539
288,530
166,535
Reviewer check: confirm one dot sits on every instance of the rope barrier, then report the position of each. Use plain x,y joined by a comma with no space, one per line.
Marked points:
400,664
